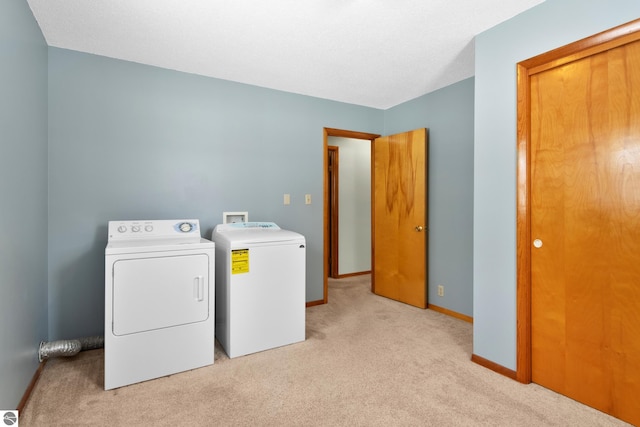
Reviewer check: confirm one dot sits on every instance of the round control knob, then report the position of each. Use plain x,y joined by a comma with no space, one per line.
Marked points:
122,229
148,228
185,227
135,228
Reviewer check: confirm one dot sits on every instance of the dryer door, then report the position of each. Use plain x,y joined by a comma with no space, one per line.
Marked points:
160,292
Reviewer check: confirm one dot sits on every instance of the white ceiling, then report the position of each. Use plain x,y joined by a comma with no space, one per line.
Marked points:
375,53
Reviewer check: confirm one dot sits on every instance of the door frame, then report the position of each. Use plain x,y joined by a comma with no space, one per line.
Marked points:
327,132
597,43
333,225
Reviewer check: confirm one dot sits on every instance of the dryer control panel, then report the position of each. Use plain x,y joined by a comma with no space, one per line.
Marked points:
150,229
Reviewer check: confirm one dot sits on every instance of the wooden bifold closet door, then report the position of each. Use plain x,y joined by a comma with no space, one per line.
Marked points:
585,230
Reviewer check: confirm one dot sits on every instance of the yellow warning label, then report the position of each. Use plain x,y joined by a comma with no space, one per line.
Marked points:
239,261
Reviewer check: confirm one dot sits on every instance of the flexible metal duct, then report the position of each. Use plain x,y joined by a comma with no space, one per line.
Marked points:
66,348
91,343
58,348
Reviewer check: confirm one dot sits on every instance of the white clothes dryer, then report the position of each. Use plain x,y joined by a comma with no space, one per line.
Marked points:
159,300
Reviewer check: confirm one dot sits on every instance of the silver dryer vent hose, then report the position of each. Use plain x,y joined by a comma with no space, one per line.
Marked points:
66,348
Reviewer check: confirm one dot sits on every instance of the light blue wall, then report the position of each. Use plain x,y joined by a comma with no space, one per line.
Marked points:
129,141
552,24
354,204
448,115
23,198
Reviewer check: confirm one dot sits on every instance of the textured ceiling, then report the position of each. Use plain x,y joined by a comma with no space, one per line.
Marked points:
376,53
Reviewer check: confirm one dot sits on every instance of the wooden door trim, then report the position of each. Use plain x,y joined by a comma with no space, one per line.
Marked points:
333,213
597,43
327,132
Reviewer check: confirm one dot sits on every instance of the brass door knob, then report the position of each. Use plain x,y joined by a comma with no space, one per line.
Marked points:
419,228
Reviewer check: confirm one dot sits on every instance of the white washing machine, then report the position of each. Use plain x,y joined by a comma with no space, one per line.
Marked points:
260,287
159,300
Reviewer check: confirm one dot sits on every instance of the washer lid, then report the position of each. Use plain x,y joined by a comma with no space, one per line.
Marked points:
253,232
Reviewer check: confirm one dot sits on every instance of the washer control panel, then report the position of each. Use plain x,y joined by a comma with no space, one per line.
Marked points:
165,228
247,225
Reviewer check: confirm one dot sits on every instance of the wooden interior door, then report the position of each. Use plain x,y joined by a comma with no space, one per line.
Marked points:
585,230
399,223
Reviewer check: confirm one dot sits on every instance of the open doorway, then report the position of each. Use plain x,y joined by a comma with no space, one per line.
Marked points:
331,201
349,231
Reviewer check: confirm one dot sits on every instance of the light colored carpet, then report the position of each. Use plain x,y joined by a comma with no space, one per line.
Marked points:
367,361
